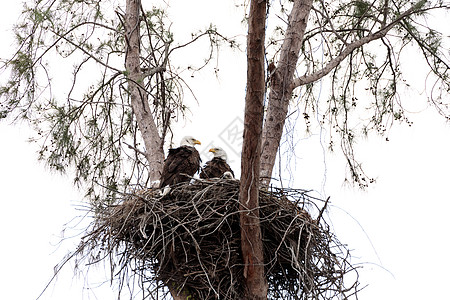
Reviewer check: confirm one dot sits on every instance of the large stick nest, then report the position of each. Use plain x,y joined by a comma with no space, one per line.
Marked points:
189,240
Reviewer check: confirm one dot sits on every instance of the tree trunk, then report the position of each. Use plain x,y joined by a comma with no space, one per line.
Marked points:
251,241
141,108
281,87
138,95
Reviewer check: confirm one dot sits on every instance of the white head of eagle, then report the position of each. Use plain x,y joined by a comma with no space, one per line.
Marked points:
189,141
218,166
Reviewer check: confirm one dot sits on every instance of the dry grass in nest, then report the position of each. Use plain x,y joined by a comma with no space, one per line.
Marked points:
190,239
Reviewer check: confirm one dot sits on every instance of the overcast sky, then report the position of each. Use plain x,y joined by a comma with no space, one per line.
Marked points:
397,228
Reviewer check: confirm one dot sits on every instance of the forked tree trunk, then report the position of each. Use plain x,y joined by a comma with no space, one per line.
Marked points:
281,87
251,241
138,95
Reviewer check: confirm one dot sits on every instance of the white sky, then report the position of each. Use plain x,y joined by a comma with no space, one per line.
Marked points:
398,227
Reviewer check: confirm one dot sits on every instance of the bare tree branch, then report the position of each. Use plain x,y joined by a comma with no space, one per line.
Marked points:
299,81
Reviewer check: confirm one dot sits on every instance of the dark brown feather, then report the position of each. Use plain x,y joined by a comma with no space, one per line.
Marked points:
215,168
180,161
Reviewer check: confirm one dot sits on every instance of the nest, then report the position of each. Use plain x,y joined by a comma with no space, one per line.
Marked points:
189,240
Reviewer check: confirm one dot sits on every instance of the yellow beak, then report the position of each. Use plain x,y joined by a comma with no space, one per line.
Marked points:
212,150
197,142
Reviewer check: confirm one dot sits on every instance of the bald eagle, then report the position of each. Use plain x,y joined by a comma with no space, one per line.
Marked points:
180,162
218,166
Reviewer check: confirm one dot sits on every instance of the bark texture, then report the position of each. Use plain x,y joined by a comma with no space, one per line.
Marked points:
251,241
138,95
141,107
281,87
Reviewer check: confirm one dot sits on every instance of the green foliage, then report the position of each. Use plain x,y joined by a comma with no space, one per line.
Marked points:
82,115
365,87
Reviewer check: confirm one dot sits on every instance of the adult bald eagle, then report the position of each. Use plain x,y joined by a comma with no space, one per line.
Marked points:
180,162
218,166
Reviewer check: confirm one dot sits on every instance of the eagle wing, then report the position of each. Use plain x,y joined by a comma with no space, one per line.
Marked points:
215,168
180,161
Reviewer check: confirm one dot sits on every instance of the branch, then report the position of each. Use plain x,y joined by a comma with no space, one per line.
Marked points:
135,149
302,80
322,210
63,37
87,53
305,79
